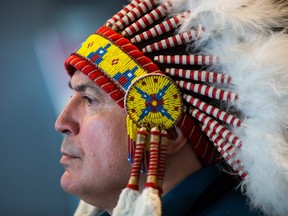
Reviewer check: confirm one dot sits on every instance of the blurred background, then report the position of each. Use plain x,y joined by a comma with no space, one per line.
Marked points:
36,36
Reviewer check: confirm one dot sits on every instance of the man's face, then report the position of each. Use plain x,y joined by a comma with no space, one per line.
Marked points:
95,145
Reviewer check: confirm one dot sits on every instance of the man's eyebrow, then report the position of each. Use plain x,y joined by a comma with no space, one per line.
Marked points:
84,86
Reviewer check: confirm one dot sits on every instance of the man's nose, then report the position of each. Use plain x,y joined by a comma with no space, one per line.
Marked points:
66,122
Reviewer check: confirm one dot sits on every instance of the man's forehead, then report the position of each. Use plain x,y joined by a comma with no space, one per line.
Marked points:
78,77
81,82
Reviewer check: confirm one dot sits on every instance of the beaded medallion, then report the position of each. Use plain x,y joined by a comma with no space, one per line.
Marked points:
154,100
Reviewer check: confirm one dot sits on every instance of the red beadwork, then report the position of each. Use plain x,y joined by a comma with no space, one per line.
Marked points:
101,30
199,142
163,148
122,42
133,187
114,37
138,156
129,48
137,159
71,65
154,152
152,185
88,69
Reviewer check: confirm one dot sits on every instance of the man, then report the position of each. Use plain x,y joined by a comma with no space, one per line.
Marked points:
95,157
108,70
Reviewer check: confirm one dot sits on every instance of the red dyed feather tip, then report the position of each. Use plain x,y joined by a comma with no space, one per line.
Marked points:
157,30
135,13
213,111
203,76
209,91
226,149
122,13
183,38
187,59
148,19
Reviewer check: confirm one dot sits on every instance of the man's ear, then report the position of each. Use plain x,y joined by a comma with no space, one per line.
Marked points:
176,141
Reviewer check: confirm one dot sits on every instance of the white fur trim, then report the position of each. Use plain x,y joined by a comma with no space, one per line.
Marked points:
126,203
148,203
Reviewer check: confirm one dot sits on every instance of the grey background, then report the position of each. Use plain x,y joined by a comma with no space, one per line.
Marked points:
36,36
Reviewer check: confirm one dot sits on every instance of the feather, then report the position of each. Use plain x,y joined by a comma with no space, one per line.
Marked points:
238,16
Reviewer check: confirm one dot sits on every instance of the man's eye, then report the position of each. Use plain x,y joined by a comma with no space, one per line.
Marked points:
90,101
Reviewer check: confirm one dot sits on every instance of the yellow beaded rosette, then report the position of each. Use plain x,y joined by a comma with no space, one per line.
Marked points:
153,101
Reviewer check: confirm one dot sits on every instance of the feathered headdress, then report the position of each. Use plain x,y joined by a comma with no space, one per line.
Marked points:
216,68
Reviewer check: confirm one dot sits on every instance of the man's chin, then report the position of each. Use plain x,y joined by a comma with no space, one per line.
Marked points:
68,183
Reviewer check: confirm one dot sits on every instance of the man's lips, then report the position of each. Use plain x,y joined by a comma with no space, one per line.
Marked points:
69,155
69,152
66,157
66,154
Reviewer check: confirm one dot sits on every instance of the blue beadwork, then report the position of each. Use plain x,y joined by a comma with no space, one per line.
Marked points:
149,108
126,78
